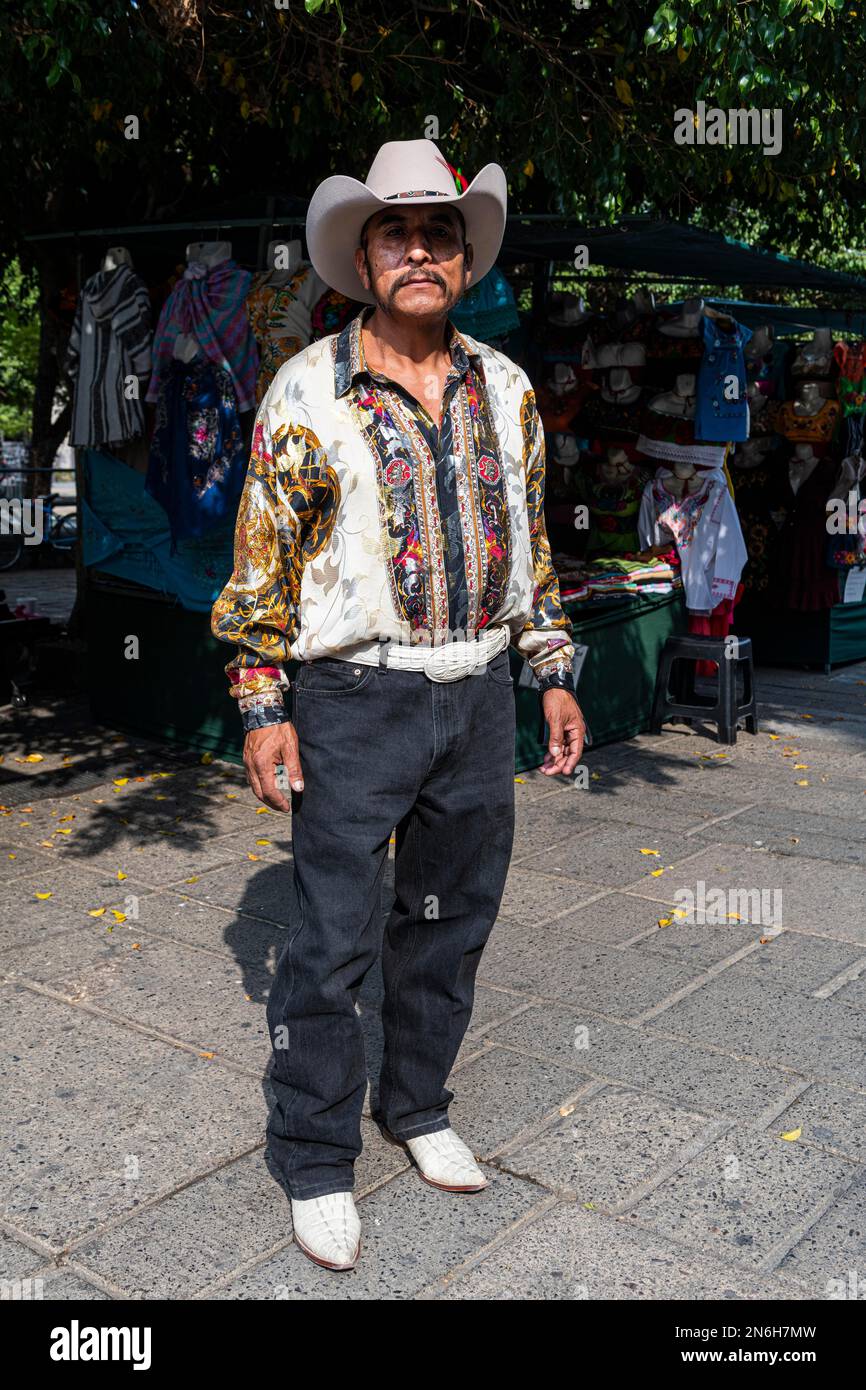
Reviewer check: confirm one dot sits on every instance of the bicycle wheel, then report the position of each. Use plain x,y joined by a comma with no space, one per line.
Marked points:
11,550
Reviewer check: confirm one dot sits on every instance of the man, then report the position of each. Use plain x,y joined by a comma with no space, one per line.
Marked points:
391,537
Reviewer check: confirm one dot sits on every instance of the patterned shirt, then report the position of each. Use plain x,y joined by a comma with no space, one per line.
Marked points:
362,520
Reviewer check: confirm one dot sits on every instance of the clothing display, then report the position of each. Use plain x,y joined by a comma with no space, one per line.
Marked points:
613,511
110,343
197,458
812,429
331,313
601,580
487,309
280,312
722,411
461,544
208,304
802,579
706,531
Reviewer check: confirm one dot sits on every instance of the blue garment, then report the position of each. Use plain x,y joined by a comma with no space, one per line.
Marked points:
197,460
487,310
126,533
718,418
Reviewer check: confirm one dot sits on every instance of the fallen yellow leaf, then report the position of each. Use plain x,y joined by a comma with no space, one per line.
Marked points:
118,916
96,912
67,831
802,781
263,842
34,758
207,758
207,1055
654,873
194,879
136,945
43,896
793,1133
121,875
665,921
774,736
263,811
649,851
254,856
800,767
121,781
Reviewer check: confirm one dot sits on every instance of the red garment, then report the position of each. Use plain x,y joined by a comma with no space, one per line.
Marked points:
715,624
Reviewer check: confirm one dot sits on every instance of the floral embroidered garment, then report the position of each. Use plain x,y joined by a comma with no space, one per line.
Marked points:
197,460
362,520
281,319
706,530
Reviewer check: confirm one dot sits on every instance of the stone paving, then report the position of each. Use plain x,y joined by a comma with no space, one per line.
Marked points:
666,1109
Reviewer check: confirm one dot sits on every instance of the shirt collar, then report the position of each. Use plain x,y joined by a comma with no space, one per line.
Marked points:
350,362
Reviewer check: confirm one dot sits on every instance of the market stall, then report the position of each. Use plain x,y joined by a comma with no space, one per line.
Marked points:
692,449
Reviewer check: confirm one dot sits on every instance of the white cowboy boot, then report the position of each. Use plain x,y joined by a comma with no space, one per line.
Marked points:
328,1229
444,1161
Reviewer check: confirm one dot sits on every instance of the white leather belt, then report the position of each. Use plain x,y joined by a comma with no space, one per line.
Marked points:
448,662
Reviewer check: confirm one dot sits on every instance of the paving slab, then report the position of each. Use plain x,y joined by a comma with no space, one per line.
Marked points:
693,1076
411,1235
828,1118
744,1197
213,1227
549,959
812,1037
570,1253
86,1129
817,896
71,895
210,1001
829,1257
611,1143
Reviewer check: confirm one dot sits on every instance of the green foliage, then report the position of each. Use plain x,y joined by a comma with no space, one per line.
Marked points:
577,103
19,348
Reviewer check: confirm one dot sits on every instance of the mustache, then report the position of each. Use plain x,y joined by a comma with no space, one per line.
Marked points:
415,277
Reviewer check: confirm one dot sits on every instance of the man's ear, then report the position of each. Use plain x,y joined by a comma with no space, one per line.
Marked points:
361,267
468,256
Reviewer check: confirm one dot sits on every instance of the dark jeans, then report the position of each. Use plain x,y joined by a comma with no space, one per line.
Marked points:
380,750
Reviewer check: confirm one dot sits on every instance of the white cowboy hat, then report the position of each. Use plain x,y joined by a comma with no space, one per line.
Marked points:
686,324
563,379
403,171
565,449
567,310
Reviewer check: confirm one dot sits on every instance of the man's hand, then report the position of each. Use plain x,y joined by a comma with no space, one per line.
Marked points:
263,750
567,731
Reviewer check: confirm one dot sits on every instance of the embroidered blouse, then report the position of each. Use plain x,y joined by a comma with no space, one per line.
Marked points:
362,519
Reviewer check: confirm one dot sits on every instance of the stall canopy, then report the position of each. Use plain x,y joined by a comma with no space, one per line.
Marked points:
672,250
642,245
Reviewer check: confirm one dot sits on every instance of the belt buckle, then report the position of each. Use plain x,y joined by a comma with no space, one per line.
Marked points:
444,664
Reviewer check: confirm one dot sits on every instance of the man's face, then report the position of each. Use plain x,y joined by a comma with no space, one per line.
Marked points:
415,264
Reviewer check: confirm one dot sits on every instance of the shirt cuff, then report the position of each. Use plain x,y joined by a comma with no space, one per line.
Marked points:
262,709
556,676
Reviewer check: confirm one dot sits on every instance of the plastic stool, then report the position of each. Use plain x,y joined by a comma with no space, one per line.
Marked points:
729,653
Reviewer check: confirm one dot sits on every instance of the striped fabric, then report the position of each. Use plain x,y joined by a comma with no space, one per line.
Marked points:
110,341
207,303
